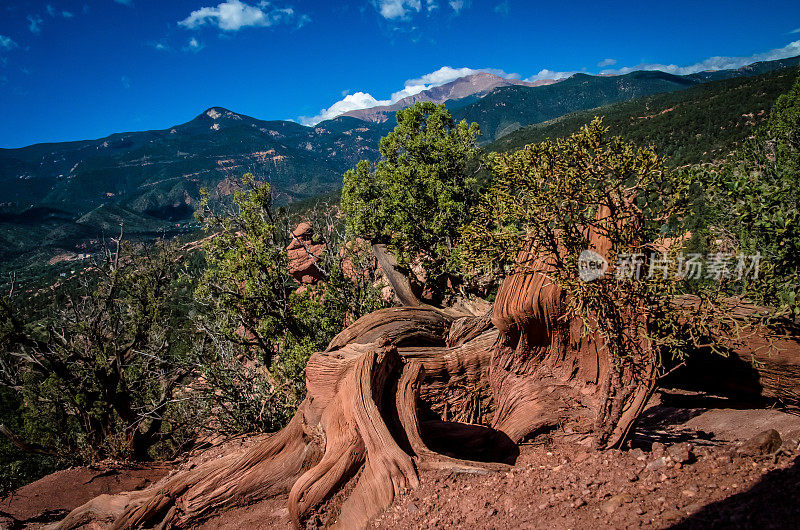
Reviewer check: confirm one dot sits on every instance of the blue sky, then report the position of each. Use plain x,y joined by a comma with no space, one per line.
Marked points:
78,69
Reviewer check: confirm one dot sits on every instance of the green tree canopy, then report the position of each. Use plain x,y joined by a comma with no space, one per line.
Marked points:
754,204
592,191
421,191
97,370
548,194
260,324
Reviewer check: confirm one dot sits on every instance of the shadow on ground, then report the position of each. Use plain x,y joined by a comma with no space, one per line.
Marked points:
771,503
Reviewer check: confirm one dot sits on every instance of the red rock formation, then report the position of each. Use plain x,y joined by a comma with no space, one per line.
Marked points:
304,255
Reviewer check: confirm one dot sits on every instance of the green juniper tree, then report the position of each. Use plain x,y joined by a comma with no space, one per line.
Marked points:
260,325
416,198
97,372
555,199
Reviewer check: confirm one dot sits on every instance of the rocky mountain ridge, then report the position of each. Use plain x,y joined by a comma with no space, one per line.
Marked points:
475,85
57,194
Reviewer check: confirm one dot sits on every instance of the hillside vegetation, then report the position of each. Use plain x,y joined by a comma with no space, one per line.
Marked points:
62,199
509,108
702,123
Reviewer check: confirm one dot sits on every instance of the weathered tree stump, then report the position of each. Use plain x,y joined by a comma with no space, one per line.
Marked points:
396,391
415,387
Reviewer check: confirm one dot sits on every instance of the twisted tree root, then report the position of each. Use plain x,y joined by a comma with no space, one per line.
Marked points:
405,389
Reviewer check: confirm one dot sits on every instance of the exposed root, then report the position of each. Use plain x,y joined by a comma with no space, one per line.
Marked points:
420,326
407,396
405,389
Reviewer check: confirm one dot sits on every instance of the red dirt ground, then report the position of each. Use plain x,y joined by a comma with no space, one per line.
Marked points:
552,487
55,495
685,471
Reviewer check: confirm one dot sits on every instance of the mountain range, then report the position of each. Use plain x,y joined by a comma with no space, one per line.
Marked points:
704,123
52,195
473,86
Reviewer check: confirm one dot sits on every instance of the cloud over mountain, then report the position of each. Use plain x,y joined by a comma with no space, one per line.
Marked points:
713,63
364,100
550,74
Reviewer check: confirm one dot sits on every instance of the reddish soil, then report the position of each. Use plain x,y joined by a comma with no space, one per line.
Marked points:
553,487
55,495
686,470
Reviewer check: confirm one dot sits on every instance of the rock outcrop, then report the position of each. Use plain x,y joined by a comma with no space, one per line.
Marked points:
304,255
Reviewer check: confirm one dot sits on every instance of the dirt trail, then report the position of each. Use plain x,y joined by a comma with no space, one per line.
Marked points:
554,488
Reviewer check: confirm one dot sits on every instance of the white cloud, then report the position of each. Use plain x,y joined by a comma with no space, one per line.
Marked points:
234,15
35,23
193,45
502,8
714,63
443,75
159,45
126,82
7,43
364,100
359,100
550,74
53,12
458,5
403,10
128,3
400,9
607,62
795,30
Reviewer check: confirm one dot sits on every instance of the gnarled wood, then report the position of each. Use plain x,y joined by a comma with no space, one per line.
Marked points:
266,469
546,371
400,284
407,397
341,432
399,325
408,388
